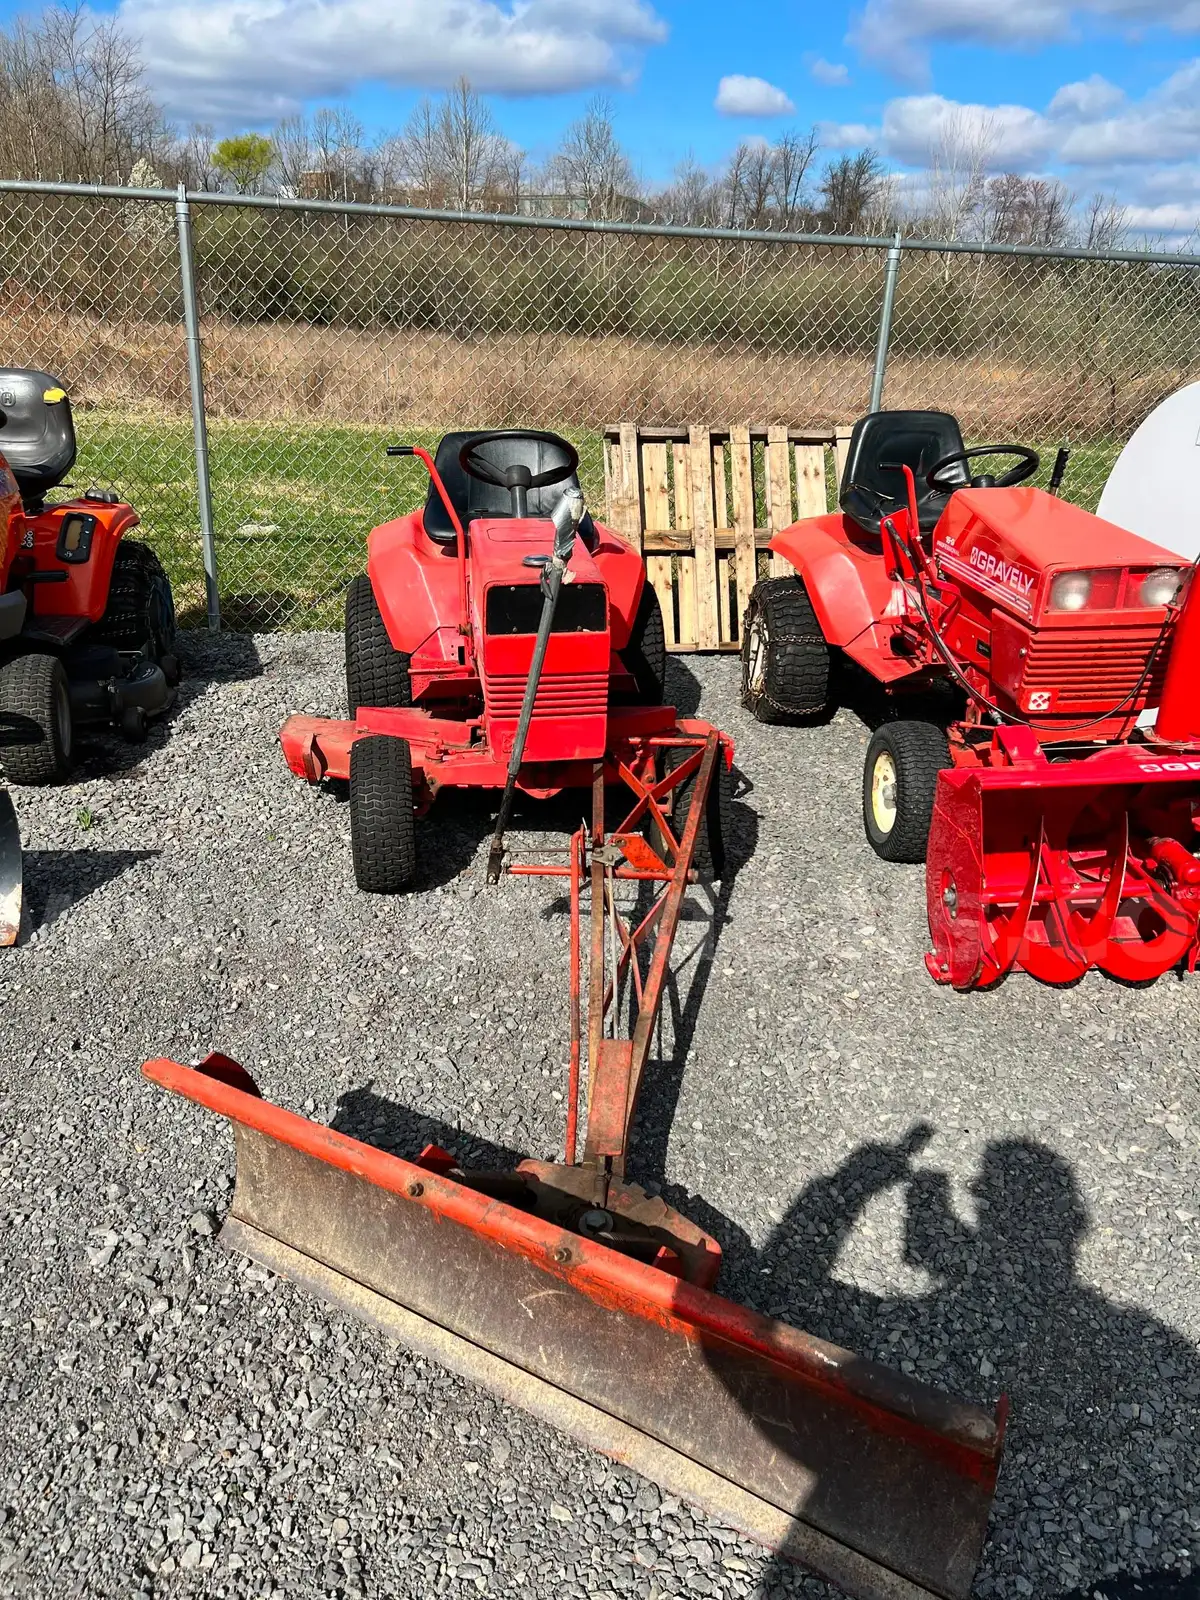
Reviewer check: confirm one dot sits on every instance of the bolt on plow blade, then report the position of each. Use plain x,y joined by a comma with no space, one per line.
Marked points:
10,872
871,1480
1057,867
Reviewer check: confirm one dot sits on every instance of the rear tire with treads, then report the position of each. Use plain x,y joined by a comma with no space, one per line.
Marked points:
646,653
899,783
376,672
382,821
787,664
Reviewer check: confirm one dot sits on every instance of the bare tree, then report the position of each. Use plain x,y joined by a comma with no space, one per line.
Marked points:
73,102
292,139
793,157
452,154
958,166
1105,223
853,191
1019,210
693,198
591,168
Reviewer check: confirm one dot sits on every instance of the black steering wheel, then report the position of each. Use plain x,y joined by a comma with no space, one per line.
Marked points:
1027,464
476,466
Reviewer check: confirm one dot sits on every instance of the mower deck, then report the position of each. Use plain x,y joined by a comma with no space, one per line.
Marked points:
453,754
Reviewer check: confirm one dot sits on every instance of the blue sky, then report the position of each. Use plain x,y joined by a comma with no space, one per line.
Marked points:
1105,93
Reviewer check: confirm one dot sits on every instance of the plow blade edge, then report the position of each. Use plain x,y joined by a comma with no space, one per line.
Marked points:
10,872
1055,867
876,1482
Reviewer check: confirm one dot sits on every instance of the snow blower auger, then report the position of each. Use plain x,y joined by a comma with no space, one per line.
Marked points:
1056,804
571,1292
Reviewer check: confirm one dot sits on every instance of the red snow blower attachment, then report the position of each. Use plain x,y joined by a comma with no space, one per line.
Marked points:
1056,805
572,1293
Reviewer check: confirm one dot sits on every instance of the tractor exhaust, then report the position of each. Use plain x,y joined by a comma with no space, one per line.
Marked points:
11,875
572,1293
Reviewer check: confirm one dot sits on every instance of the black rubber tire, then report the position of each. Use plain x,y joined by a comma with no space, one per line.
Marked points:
711,855
796,675
918,751
382,821
141,608
645,655
35,697
376,672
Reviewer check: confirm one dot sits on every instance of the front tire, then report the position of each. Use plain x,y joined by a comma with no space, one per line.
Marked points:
382,822
899,783
37,744
376,672
787,665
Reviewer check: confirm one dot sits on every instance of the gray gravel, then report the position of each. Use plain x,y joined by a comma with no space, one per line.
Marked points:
996,1192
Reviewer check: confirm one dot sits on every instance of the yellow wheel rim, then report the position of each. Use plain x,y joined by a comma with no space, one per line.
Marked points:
883,792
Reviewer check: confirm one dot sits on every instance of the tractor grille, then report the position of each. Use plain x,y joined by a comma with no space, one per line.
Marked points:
1098,667
568,694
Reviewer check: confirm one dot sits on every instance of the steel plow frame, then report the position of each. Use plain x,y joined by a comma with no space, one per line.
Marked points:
11,872
570,1292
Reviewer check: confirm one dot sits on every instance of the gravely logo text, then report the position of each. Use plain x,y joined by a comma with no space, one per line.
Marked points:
1005,572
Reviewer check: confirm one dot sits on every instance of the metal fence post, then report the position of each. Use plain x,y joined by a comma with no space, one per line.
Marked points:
191,323
890,273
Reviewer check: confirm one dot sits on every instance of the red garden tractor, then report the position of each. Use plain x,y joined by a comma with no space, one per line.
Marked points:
87,621
1056,797
501,639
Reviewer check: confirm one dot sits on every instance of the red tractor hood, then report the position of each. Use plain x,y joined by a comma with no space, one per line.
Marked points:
1039,531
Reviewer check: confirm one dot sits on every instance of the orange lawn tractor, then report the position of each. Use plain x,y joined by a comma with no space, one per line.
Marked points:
1056,800
87,620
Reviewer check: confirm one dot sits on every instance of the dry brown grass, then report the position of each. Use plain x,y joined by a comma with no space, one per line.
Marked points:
278,371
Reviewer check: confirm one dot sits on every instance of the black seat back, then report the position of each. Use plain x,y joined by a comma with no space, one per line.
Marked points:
37,434
471,498
878,445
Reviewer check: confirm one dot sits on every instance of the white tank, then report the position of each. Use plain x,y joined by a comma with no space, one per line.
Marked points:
1154,486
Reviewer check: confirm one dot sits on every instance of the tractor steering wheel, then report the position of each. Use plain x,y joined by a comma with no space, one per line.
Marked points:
518,480
1027,464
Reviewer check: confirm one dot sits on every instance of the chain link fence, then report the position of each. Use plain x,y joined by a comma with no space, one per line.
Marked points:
327,333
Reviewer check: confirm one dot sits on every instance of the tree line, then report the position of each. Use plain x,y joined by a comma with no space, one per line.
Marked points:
75,106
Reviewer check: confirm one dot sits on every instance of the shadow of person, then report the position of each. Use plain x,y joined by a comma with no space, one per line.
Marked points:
1098,1489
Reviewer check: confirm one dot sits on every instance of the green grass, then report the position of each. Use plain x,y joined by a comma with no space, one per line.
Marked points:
293,503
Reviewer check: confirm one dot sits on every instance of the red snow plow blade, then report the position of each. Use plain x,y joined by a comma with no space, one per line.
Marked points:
1058,866
870,1479
576,1295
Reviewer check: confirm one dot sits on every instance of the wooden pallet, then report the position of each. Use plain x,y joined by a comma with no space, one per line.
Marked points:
701,505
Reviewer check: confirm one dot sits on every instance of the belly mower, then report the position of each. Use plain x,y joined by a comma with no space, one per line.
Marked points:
87,620
1056,803
566,1288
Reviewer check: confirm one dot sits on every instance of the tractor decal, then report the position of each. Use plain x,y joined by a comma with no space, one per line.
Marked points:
988,581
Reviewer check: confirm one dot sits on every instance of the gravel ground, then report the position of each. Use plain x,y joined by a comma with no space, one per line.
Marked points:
996,1192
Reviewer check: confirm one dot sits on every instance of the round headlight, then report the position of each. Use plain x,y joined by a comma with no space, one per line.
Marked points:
1070,591
1161,586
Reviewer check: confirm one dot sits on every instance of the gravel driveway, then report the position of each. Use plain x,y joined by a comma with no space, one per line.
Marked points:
996,1192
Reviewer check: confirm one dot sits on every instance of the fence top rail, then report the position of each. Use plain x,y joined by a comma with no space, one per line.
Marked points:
661,230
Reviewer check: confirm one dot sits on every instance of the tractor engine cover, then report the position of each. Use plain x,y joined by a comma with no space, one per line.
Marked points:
1053,604
570,712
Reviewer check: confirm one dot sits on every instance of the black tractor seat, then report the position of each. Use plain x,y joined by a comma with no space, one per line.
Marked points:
471,498
873,485
37,435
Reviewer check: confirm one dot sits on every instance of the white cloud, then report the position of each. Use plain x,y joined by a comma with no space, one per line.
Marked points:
738,96
832,74
1094,97
1007,135
846,135
895,34
250,60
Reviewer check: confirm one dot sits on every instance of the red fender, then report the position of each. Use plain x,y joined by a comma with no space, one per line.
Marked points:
847,585
415,581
